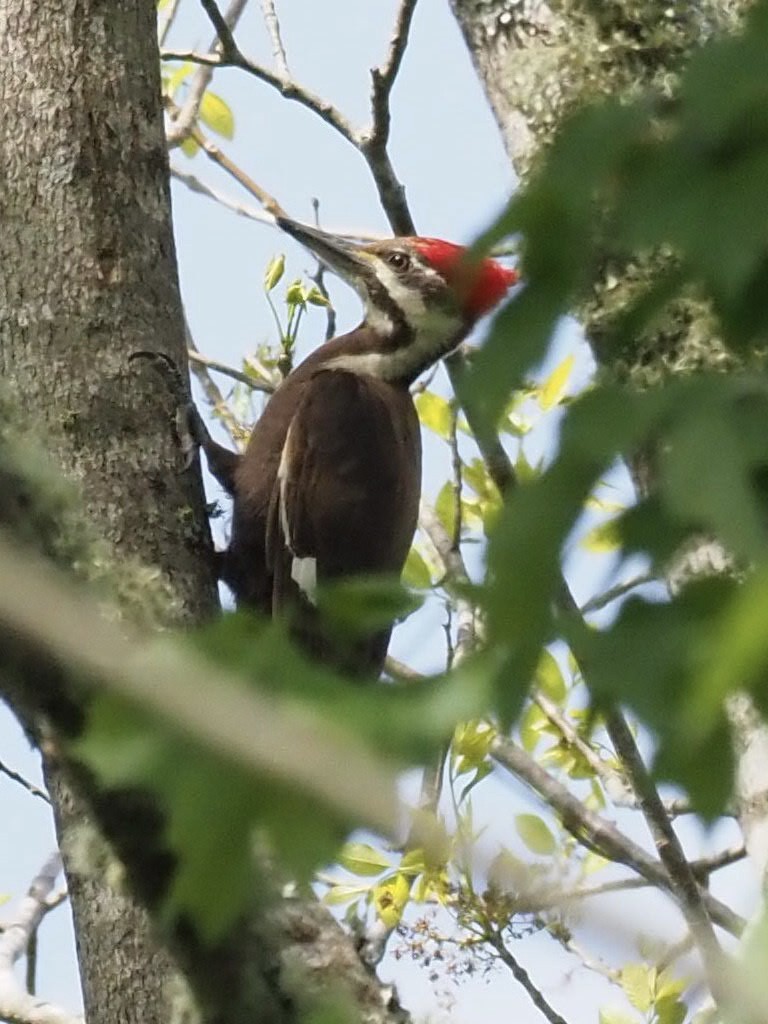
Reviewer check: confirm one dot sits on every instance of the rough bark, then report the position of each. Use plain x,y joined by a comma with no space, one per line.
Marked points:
88,276
537,61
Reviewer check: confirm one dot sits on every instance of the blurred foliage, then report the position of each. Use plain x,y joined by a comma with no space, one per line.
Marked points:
686,177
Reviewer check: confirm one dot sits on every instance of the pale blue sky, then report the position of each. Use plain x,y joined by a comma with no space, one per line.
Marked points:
447,151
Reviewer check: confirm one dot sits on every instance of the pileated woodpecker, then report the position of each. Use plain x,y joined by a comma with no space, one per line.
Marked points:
328,486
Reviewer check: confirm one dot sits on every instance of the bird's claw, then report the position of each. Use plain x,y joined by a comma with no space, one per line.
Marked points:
192,432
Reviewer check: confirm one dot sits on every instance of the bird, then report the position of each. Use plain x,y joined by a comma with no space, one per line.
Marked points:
328,486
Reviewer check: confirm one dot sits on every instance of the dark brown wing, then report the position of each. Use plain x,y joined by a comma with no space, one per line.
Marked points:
345,502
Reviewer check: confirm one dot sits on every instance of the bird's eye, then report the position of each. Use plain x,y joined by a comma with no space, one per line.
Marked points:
398,260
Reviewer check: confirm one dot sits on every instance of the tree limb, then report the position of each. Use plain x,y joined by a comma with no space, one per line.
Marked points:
597,834
16,1005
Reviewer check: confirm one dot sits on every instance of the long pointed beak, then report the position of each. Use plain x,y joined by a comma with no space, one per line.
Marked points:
344,257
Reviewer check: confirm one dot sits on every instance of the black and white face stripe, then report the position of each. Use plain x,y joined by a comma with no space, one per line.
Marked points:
414,314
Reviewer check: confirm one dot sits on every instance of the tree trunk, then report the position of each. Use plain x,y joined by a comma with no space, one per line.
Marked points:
537,61
87,275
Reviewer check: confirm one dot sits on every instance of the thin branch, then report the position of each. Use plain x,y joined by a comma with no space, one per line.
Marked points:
616,786
211,390
371,143
273,28
187,115
599,601
442,542
400,671
523,978
17,1005
500,467
705,866
194,184
222,28
230,371
319,279
455,578
214,153
165,20
594,832
588,960
383,79
287,87
30,975
684,884
30,787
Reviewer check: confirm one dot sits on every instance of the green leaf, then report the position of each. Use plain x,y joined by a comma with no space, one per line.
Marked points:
535,834
549,678
435,413
533,723
212,809
610,1015
294,294
472,743
338,895
524,548
707,475
363,859
316,298
603,538
638,982
736,655
660,647
390,899
552,390
274,272
670,1011
217,115
358,604
416,571
189,147
179,74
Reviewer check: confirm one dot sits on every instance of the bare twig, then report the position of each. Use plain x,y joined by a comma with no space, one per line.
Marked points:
616,786
211,390
194,184
442,542
591,962
165,20
730,855
383,79
223,30
523,978
30,975
273,28
25,783
319,278
370,142
595,832
399,670
683,881
187,115
287,87
16,1004
599,601
214,153
455,579
230,371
